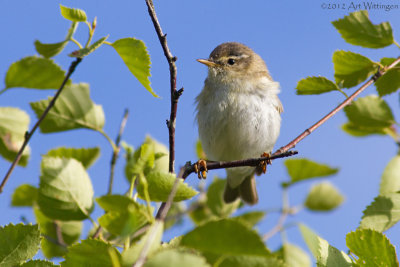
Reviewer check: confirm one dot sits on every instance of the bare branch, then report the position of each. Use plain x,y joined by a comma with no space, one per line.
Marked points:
348,101
172,73
29,134
115,154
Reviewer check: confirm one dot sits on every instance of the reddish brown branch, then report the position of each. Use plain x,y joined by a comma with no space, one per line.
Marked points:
29,134
175,94
348,101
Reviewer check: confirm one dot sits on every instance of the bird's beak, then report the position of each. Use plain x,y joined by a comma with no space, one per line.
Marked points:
207,62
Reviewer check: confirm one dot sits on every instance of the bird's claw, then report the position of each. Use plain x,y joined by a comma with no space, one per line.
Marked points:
200,167
264,163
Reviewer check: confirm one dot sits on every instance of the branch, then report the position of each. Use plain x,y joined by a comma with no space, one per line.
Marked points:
114,156
29,134
348,101
175,94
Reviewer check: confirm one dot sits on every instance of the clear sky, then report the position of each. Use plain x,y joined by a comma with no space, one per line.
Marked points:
295,38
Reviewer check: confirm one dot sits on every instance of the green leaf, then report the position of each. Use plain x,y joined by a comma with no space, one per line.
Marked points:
351,69
215,200
323,197
73,110
65,191
302,169
18,243
325,254
174,215
383,213
160,185
200,212
13,126
372,248
390,81
24,196
50,50
315,86
161,154
140,161
174,258
124,216
87,50
134,54
370,111
361,131
225,237
38,263
34,72
90,252
357,29
87,156
70,232
250,218
250,261
390,182
73,14
152,238
294,256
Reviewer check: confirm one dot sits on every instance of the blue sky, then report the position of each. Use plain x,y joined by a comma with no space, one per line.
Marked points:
295,38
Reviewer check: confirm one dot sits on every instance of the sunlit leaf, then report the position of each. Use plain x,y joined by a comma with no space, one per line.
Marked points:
65,191
87,50
24,196
382,213
357,29
74,109
250,218
50,50
123,215
34,72
91,252
302,169
351,69
38,263
390,81
294,256
174,258
360,131
370,111
134,54
315,86
323,197
18,243
372,248
87,156
390,182
70,232
325,254
73,14
160,185
13,126
225,237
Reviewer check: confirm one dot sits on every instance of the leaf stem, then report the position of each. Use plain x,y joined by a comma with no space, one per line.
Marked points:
396,43
113,145
76,42
29,134
91,32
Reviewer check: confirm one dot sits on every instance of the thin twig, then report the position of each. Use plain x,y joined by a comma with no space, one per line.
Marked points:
115,153
175,94
348,101
114,158
29,134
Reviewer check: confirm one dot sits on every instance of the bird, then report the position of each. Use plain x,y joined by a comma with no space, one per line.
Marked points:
238,113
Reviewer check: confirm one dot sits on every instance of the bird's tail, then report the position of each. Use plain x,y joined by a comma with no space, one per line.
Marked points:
247,191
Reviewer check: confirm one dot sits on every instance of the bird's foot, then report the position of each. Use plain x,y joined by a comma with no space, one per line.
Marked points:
200,167
264,163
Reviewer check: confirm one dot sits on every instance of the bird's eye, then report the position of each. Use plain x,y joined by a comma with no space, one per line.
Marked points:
231,61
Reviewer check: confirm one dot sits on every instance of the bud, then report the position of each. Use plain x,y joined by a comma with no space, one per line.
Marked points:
94,23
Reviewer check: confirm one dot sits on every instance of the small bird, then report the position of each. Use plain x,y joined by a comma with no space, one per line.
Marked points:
238,114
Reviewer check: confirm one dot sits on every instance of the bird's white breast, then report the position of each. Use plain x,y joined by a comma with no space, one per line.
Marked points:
238,120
